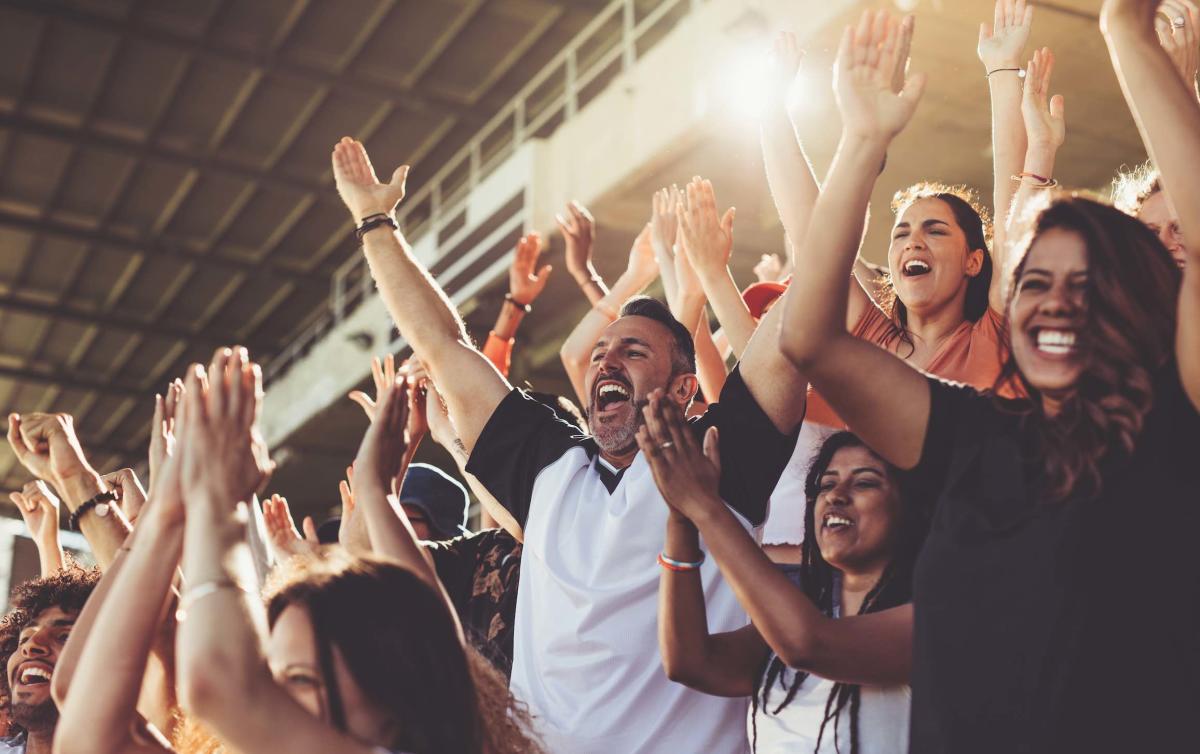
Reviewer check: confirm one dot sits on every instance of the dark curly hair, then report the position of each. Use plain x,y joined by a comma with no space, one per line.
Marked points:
398,640
818,580
972,218
1132,301
68,588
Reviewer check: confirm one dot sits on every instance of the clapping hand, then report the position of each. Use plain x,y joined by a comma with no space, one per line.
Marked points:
361,191
688,474
871,58
1177,23
1045,123
525,280
130,493
706,237
579,231
282,535
46,445
162,429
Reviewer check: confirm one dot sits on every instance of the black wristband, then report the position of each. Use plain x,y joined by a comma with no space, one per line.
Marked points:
371,222
508,299
104,498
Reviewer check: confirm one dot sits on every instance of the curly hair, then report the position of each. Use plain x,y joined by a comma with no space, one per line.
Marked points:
818,580
973,219
1131,188
398,640
1132,300
68,588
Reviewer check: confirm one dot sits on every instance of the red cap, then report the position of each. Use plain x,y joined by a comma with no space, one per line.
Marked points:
758,296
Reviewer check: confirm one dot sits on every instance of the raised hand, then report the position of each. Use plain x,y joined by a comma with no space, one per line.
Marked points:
352,529
687,474
224,458
380,456
362,192
39,509
46,445
283,537
579,231
130,493
1045,123
384,374
1178,25
868,62
783,64
663,221
1002,43
526,280
769,269
642,266
162,429
706,237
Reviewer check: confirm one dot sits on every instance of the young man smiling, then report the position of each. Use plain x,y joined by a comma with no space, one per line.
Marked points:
586,658
32,637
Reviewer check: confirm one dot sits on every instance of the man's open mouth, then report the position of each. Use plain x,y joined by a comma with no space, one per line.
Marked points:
610,393
34,674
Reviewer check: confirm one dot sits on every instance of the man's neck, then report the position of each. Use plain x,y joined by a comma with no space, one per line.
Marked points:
39,742
619,460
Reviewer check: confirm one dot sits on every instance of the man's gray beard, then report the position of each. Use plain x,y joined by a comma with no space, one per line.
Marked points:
614,439
35,717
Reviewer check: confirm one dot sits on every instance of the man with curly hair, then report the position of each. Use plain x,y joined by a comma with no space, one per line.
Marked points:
32,637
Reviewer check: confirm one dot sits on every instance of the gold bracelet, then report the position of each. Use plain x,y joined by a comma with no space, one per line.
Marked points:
202,590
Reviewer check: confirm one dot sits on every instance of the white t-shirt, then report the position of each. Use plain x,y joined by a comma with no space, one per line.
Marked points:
585,646
785,519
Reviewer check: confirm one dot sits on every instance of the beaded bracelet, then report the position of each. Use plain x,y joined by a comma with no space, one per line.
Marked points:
679,566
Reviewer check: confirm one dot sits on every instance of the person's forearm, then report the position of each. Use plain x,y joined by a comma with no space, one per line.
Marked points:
493,514
104,534
1167,116
710,365
816,302
592,285
50,555
666,273
683,624
508,320
790,176
1008,145
108,680
731,310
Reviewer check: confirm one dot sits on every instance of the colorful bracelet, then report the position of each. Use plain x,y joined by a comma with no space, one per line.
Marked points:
679,565
1042,181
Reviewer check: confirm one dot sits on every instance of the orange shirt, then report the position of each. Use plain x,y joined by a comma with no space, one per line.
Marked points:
499,352
973,355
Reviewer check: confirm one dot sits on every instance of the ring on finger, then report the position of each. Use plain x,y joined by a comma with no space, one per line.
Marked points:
665,445
1178,22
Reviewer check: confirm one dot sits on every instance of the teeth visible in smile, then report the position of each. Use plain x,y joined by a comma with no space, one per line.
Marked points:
834,521
613,388
1056,341
916,267
35,672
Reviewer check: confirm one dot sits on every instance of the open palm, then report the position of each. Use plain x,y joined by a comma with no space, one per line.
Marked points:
868,59
357,185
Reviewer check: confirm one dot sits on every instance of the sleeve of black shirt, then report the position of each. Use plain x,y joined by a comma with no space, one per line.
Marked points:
454,562
753,452
951,408
521,438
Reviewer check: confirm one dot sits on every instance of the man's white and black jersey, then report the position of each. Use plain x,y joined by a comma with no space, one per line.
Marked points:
585,655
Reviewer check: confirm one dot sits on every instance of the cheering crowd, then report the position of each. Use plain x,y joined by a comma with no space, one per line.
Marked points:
945,506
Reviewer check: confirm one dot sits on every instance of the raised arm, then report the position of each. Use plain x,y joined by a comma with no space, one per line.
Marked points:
526,281
224,679
874,648
1168,117
885,401
39,509
1001,46
1181,40
47,446
576,350
579,232
419,307
109,657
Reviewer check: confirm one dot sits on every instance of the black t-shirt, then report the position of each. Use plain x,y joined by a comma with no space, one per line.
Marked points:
1056,627
480,572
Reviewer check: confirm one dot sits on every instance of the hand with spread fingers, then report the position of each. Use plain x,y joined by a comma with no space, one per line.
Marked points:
526,280
282,536
361,191
769,269
687,472
870,58
39,508
1177,23
224,458
131,496
352,530
383,373
380,459
162,429
1002,43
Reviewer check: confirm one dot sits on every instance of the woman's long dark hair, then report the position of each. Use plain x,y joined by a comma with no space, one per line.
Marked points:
817,580
972,219
398,640
1132,304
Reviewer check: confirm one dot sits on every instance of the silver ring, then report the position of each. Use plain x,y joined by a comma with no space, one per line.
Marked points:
1178,22
667,444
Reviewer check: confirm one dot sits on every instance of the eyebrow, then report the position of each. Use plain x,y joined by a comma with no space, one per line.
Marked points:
858,470
926,224
56,623
1049,274
628,340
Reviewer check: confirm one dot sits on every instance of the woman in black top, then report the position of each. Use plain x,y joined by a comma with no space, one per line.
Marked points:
1057,600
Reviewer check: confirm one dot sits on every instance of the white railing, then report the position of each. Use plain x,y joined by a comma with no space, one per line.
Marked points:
531,113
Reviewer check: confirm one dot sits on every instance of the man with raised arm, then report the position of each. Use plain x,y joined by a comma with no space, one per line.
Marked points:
586,658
